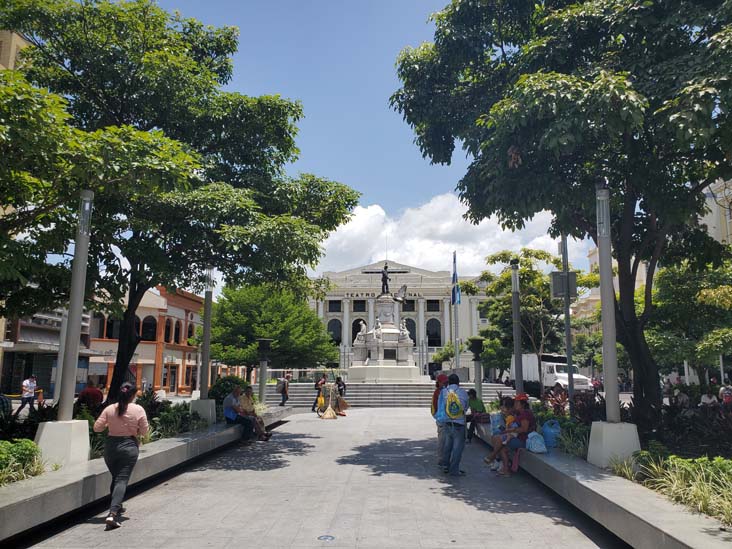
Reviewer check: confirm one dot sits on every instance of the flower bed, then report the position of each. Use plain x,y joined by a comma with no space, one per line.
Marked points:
19,459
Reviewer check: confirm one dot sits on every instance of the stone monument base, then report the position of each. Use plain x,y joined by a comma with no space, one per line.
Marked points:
63,442
612,442
384,374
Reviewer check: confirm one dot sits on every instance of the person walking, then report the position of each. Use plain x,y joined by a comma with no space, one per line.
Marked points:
126,422
28,394
284,388
319,387
440,384
456,402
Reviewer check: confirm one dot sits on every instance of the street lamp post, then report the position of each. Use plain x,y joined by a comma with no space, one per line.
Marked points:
67,441
609,440
568,323
516,306
206,345
204,406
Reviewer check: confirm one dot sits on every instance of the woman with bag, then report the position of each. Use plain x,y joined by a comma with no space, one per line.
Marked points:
126,422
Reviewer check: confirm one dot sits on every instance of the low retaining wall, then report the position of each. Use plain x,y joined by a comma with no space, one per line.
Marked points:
29,503
637,515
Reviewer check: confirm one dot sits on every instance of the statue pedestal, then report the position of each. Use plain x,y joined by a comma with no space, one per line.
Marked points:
385,352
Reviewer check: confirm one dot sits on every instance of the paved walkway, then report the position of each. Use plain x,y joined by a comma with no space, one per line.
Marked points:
368,480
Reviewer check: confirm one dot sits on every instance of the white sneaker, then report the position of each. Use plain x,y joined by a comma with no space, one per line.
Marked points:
495,466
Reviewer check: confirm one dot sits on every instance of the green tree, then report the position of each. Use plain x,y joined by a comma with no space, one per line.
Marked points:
132,63
686,326
496,354
44,163
447,353
551,98
244,314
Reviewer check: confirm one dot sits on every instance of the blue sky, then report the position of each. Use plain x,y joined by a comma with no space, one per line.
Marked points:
337,57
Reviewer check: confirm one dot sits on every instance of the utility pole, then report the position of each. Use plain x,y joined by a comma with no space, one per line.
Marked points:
568,323
516,306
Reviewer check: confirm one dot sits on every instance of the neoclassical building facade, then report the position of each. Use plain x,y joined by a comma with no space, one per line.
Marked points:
426,309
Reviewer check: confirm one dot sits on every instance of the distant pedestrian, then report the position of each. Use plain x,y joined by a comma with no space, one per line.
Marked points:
455,401
90,396
283,388
6,407
28,394
319,384
341,386
477,409
440,384
126,422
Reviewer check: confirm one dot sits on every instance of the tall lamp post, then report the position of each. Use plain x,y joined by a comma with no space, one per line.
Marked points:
611,439
67,441
264,348
516,306
206,407
476,347
568,323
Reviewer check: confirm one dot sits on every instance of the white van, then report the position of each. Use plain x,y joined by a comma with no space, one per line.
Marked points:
555,371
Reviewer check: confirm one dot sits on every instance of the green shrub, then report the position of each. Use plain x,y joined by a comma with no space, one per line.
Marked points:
153,405
224,386
177,419
19,459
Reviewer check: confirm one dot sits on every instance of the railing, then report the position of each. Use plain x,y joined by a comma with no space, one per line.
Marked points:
305,375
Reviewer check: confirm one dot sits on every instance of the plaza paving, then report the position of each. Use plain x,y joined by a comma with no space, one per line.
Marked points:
368,480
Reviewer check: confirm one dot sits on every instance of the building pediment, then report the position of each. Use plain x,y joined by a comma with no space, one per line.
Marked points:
377,266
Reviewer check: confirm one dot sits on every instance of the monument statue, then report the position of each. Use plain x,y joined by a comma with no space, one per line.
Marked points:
377,328
401,294
385,279
362,331
403,331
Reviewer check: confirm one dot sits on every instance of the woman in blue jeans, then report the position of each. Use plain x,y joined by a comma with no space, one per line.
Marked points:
526,421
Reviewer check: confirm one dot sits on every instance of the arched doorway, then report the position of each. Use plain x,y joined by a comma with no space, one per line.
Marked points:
113,326
434,333
356,328
412,329
334,329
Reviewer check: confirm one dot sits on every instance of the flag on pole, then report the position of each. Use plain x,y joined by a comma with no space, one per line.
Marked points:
455,285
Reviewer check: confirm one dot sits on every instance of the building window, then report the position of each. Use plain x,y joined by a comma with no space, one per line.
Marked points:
178,329
356,328
411,328
190,330
434,333
334,306
97,328
149,328
433,305
359,306
482,310
335,329
408,306
113,326
168,330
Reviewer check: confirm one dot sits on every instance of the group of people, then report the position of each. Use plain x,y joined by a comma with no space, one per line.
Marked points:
337,401
709,400
453,409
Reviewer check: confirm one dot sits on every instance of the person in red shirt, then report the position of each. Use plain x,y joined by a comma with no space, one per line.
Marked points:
90,396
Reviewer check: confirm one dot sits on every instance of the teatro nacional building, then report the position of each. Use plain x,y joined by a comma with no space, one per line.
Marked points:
425,309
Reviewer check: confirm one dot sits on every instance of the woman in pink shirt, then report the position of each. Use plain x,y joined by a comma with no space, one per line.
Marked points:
126,421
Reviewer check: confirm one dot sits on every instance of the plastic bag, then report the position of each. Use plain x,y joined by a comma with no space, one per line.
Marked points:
497,422
551,431
535,443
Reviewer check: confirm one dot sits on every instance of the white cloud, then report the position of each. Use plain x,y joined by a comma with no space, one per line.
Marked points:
425,236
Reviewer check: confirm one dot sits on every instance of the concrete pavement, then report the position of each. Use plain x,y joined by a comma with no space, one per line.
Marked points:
367,480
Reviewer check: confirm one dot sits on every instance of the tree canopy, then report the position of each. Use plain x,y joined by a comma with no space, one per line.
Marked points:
241,315
130,63
551,98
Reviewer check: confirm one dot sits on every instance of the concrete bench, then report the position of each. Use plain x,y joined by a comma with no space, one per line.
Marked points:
637,515
32,502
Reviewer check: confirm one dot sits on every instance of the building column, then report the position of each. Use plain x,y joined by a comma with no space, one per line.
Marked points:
397,315
420,322
446,331
183,366
138,376
320,305
157,379
372,319
346,327
474,315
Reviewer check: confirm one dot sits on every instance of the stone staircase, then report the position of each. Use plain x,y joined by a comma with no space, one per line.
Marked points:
381,395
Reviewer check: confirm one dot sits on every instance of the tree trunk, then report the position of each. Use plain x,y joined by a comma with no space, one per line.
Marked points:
128,336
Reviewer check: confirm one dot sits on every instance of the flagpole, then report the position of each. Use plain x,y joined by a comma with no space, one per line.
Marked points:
455,302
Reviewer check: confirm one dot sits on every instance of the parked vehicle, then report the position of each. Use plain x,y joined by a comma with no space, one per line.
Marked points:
555,371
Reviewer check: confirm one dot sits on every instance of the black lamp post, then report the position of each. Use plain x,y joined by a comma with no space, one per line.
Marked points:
476,347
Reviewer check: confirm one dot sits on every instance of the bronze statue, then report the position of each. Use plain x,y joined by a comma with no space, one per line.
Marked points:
385,279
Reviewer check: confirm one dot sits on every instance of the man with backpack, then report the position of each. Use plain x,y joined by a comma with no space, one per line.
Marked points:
283,388
452,405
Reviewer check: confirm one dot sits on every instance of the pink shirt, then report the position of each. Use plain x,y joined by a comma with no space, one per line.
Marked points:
130,424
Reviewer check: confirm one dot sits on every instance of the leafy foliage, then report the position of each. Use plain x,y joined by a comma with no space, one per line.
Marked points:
227,204
19,459
223,386
549,99
242,315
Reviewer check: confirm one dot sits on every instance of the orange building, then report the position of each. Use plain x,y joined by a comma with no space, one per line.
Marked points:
164,358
